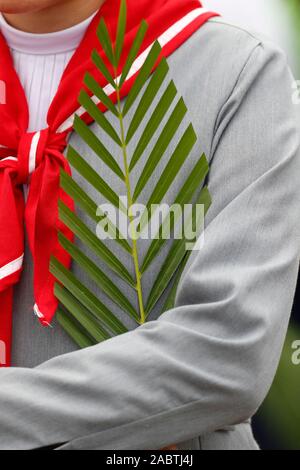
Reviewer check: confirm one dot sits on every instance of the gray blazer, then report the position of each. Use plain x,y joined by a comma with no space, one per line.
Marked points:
197,375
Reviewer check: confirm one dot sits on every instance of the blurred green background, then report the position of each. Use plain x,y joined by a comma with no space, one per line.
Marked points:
293,7
277,425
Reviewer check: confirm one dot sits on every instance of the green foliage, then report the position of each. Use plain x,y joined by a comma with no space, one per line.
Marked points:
83,315
281,410
293,6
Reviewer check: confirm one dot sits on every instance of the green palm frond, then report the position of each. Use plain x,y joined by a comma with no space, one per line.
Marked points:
83,314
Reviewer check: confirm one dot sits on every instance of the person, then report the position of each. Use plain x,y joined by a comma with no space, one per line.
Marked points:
194,376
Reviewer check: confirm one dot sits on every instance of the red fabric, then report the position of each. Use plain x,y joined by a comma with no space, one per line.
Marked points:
36,158
6,298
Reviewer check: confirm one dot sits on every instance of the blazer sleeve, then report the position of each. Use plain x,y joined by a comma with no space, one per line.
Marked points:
209,362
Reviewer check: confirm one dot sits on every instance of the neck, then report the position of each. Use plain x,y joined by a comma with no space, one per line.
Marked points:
60,16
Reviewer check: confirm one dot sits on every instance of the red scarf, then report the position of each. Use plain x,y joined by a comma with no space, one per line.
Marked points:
36,158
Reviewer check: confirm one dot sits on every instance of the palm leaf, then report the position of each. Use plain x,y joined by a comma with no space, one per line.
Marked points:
84,201
176,161
73,222
106,42
86,298
175,256
155,120
185,195
95,273
95,144
97,60
121,31
137,43
99,117
152,89
161,146
171,298
90,175
97,91
143,76
169,174
74,330
84,315
90,326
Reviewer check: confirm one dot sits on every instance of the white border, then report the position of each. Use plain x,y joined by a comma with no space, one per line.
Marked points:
11,267
40,315
12,159
32,152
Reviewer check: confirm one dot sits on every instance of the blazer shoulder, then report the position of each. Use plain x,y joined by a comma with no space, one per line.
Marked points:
225,48
218,65
232,34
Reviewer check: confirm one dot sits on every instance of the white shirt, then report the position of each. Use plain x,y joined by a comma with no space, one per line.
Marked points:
40,60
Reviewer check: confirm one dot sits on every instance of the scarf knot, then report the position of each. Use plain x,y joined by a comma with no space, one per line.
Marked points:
33,147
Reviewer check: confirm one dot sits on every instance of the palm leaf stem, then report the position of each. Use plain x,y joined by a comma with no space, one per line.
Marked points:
135,254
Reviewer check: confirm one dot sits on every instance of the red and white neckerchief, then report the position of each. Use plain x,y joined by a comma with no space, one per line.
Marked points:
36,158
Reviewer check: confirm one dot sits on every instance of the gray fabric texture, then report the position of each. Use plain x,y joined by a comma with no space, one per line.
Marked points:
204,367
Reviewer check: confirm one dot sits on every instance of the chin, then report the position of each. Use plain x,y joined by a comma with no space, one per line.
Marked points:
25,6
